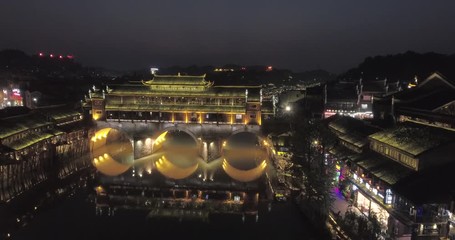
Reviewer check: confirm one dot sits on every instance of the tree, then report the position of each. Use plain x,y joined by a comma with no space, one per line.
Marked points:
311,138
360,227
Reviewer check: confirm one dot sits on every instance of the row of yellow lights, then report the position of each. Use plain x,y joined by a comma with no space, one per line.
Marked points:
98,137
161,138
100,159
200,118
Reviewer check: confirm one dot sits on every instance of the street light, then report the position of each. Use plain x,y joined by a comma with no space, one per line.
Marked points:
288,108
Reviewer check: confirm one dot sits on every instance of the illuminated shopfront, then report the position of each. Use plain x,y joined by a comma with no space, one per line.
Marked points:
363,203
367,206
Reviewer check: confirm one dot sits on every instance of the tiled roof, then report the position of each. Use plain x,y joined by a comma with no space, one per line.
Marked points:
381,167
349,125
138,90
177,80
30,139
414,138
433,100
17,124
60,112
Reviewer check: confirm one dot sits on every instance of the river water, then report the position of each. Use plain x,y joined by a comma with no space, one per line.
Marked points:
165,192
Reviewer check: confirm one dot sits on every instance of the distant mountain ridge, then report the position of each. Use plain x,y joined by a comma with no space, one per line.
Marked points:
403,66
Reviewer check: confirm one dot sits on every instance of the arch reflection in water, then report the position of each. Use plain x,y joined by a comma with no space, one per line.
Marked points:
173,171
244,158
244,175
179,155
112,152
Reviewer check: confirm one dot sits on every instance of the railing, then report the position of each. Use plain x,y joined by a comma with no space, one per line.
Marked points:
431,219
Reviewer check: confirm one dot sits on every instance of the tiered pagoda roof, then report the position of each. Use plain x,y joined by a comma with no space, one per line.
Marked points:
141,90
178,80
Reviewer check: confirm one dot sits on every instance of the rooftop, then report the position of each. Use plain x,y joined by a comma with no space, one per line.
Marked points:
388,171
352,126
177,80
13,125
59,113
216,91
429,87
432,100
32,138
413,138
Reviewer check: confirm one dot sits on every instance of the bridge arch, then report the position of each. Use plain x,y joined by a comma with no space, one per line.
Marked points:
179,128
112,151
244,157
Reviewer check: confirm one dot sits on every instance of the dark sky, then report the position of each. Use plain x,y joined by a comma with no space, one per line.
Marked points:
300,35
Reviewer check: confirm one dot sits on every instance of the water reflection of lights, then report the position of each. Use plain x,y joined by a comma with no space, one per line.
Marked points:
244,175
171,170
108,166
178,158
111,157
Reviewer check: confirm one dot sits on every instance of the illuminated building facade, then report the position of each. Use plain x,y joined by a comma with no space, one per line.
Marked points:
398,174
35,143
10,97
176,99
356,99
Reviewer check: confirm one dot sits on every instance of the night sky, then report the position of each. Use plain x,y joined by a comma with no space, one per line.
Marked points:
299,35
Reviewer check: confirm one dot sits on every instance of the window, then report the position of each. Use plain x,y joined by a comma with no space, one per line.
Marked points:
238,116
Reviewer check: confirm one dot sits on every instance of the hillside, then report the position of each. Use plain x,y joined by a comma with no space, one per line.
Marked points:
404,66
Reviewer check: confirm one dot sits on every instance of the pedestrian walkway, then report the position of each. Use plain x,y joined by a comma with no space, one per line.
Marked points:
340,205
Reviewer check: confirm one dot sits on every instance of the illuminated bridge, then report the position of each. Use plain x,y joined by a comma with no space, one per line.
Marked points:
178,153
176,168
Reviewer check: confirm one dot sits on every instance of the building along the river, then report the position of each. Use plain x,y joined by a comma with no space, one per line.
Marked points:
38,144
177,99
401,174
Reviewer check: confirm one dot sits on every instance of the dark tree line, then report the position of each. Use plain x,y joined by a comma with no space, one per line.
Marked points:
404,66
311,140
